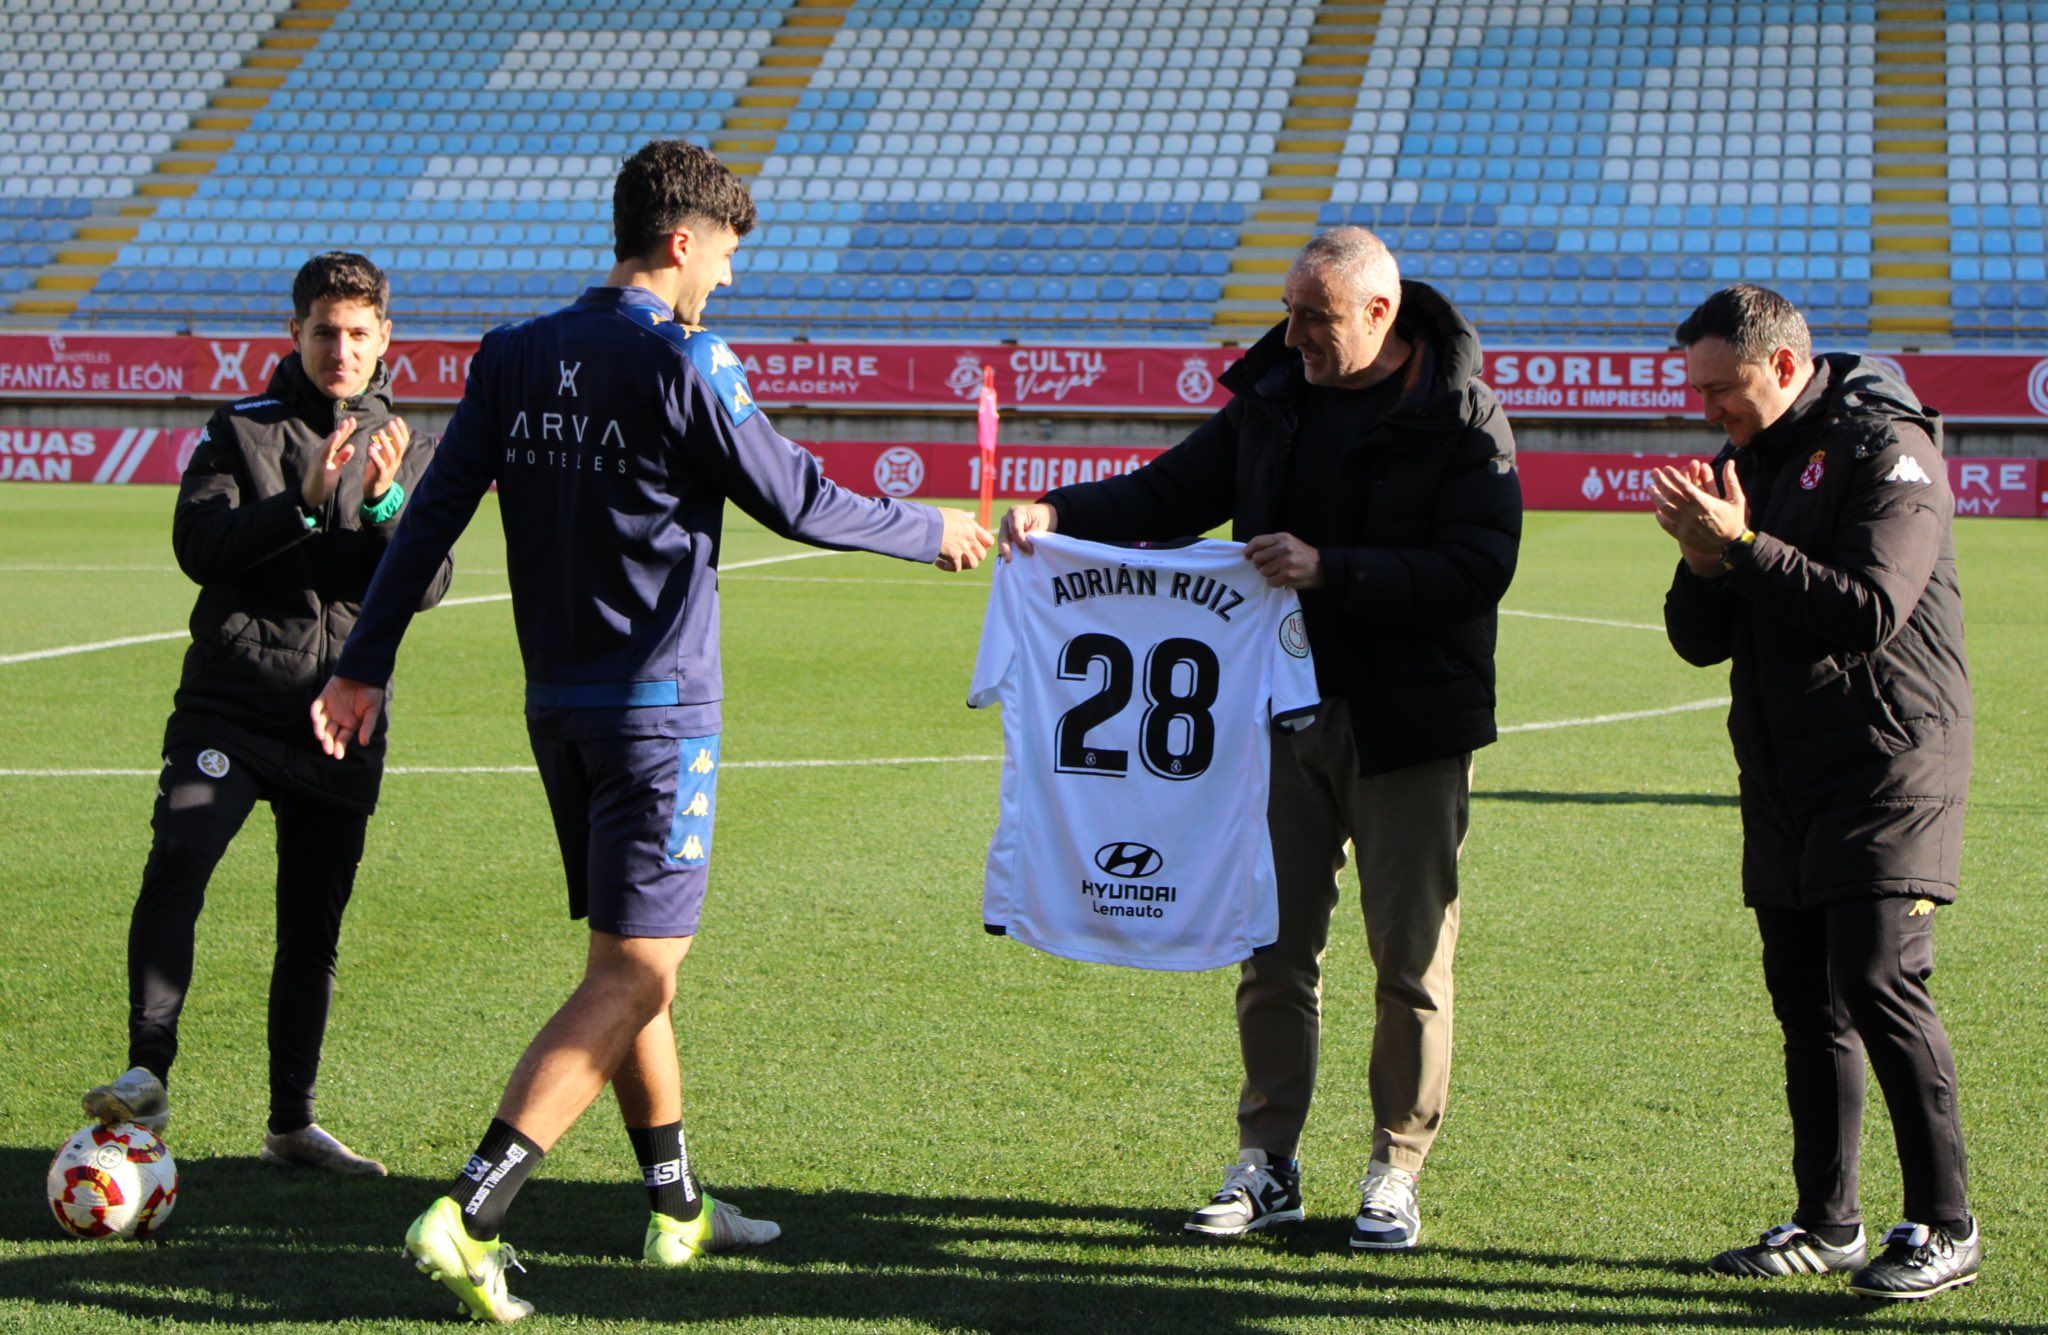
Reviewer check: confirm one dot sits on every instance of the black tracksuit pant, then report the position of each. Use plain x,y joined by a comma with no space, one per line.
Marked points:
203,797
1850,978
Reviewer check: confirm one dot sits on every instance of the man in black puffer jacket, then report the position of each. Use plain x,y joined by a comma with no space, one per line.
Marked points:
1363,463
1818,560
288,502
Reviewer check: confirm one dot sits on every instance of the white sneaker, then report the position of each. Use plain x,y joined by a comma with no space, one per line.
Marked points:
1388,1218
138,1097
310,1147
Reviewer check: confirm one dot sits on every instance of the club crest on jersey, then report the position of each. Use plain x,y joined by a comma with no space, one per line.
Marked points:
723,371
212,763
1816,468
1908,469
1294,635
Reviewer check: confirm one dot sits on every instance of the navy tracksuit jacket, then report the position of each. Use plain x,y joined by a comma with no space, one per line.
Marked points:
615,437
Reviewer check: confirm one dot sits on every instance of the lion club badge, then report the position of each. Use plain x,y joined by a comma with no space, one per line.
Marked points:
1194,384
212,763
1816,468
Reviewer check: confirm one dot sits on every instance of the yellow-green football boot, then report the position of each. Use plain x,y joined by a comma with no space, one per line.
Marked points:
473,1271
718,1227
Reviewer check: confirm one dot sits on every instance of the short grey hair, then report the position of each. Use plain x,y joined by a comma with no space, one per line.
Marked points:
1358,258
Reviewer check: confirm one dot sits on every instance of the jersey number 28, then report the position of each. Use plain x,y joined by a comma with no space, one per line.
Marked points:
1176,736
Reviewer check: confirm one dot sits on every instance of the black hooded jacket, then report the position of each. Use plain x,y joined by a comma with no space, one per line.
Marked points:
1843,623
1432,513
276,599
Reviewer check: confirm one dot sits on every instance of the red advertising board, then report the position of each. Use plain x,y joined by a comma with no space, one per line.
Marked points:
1553,383
910,376
93,454
1551,479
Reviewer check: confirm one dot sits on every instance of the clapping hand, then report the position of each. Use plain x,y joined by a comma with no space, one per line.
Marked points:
387,452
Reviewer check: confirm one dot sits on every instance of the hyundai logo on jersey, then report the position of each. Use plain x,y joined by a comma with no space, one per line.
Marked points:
1128,859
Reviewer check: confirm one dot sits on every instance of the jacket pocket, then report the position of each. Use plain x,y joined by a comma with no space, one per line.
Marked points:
1878,714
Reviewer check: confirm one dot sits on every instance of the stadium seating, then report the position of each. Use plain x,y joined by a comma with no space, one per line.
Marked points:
109,84
1031,168
1564,167
1995,153
104,87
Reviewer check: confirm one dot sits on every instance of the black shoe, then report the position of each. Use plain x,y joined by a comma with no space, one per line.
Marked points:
1256,1193
1789,1250
1920,1261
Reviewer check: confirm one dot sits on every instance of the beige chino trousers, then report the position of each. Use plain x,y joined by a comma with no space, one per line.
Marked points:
1407,827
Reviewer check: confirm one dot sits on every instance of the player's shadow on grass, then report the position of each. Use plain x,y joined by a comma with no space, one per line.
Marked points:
250,1244
1544,798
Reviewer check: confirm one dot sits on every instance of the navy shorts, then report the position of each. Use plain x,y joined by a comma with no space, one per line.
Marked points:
633,815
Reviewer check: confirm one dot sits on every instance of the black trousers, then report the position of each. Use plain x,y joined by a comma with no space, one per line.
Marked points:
1847,979
203,797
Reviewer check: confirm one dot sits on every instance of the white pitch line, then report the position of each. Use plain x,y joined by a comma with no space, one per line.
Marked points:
862,762
1584,621
63,651
937,582
36,568
1692,707
67,650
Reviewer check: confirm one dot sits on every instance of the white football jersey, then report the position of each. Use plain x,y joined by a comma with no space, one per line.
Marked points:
1138,689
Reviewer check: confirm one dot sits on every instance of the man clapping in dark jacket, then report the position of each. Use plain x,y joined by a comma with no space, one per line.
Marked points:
288,502
1818,561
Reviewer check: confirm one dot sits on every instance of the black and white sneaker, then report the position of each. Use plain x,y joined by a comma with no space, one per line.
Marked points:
1256,1193
1389,1216
1789,1250
1920,1261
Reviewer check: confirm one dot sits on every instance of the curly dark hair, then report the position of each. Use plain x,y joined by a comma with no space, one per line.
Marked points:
667,184
1754,320
340,275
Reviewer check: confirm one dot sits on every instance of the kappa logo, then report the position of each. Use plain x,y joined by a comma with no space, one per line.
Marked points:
702,764
692,850
1908,469
700,805
1194,384
212,763
723,358
1592,488
1127,858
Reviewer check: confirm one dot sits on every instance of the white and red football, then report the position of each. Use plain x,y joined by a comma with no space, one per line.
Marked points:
113,1182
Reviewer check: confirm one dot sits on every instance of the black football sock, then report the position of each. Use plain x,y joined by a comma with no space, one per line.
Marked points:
493,1177
1834,1235
1957,1229
672,1189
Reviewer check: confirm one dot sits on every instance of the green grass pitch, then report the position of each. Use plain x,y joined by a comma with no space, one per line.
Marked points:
955,1132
